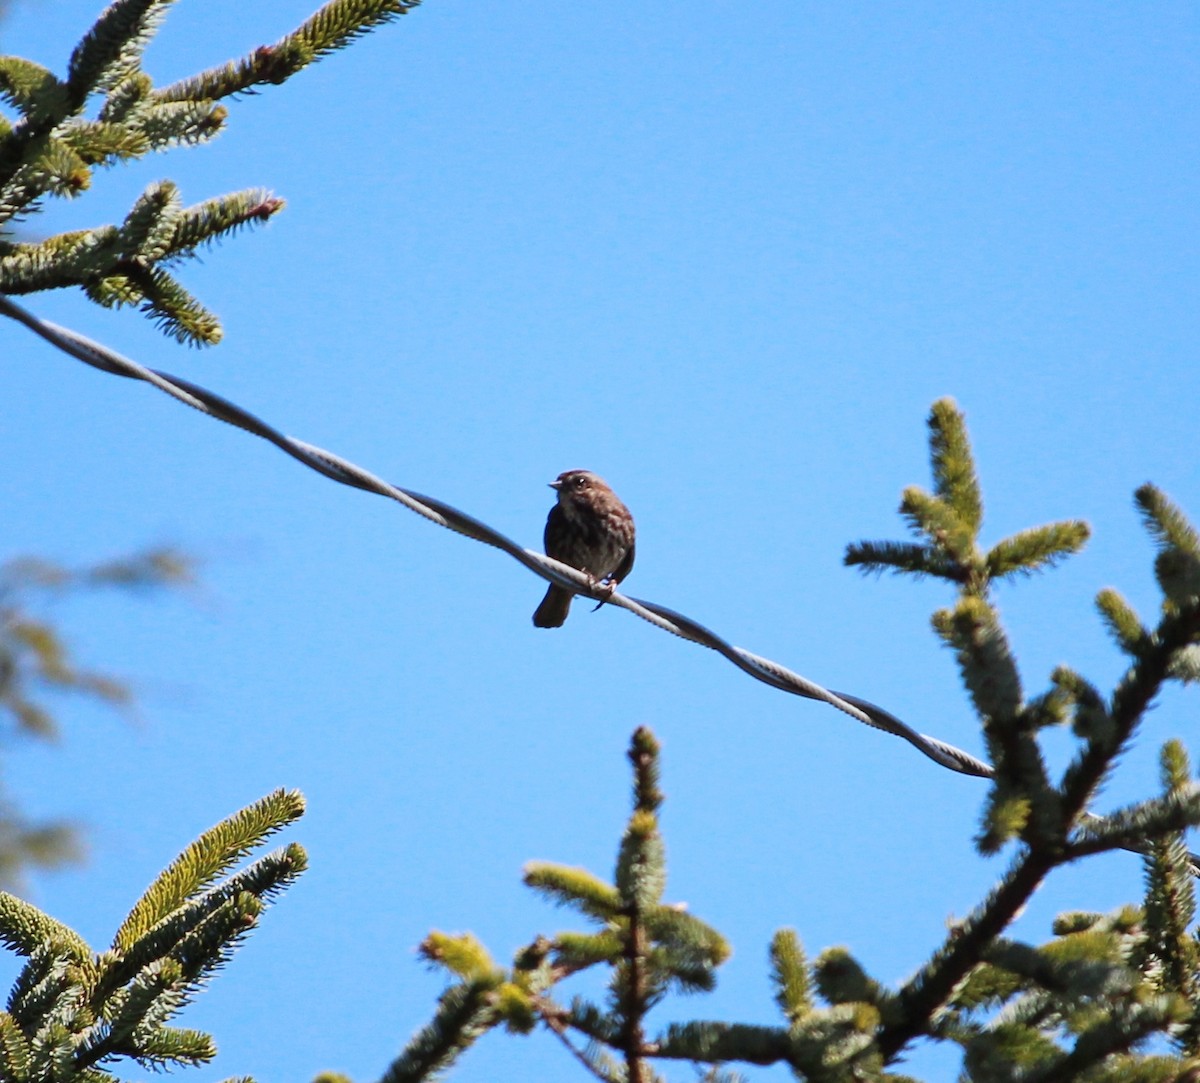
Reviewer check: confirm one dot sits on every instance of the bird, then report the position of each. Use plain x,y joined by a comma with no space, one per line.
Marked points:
590,529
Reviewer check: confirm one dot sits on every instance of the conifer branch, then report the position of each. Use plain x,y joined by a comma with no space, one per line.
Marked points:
1129,703
113,48
124,265
208,858
578,951
38,987
1131,828
841,979
1119,1033
573,887
52,150
1185,664
915,559
464,1013
262,879
938,521
332,27
71,1012
1055,971
789,972
463,955
97,143
24,929
709,1041
1036,549
218,218
31,89
930,988
686,937
1166,522
985,659
1090,718
15,1052
1168,951
1122,622
955,480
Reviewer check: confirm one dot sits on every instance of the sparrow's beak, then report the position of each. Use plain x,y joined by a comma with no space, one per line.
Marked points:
556,484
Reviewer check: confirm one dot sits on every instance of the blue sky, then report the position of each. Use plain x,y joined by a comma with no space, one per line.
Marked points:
724,255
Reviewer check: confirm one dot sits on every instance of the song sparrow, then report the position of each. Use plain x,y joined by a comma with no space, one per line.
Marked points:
590,529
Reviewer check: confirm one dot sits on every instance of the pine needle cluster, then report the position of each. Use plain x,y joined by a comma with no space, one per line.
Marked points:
52,147
74,1013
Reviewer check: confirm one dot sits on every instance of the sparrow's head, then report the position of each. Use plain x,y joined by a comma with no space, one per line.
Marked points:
573,485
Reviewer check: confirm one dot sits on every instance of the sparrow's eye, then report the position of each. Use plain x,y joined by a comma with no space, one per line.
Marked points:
581,483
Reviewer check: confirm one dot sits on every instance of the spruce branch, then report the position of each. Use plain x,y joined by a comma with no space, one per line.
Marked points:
207,859
112,49
938,521
24,929
955,479
707,1042
574,887
52,149
165,301
985,659
1122,622
841,979
1132,827
914,559
641,869
462,955
578,951
98,143
39,986
123,265
263,879
219,218
1177,566
789,973
1033,550
1166,522
332,27
163,125
76,1012
1117,1034
1170,910
31,89
463,1015
1129,703
1185,664
686,936
15,1052
923,995
592,1022
1073,968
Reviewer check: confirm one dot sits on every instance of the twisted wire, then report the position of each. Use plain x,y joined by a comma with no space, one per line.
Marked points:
436,511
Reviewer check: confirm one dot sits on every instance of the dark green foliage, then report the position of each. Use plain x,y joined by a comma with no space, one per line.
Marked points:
36,665
949,520
1082,985
73,1012
648,947
1178,563
52,150
789,969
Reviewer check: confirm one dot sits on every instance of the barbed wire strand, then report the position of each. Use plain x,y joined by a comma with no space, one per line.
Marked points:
347,473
